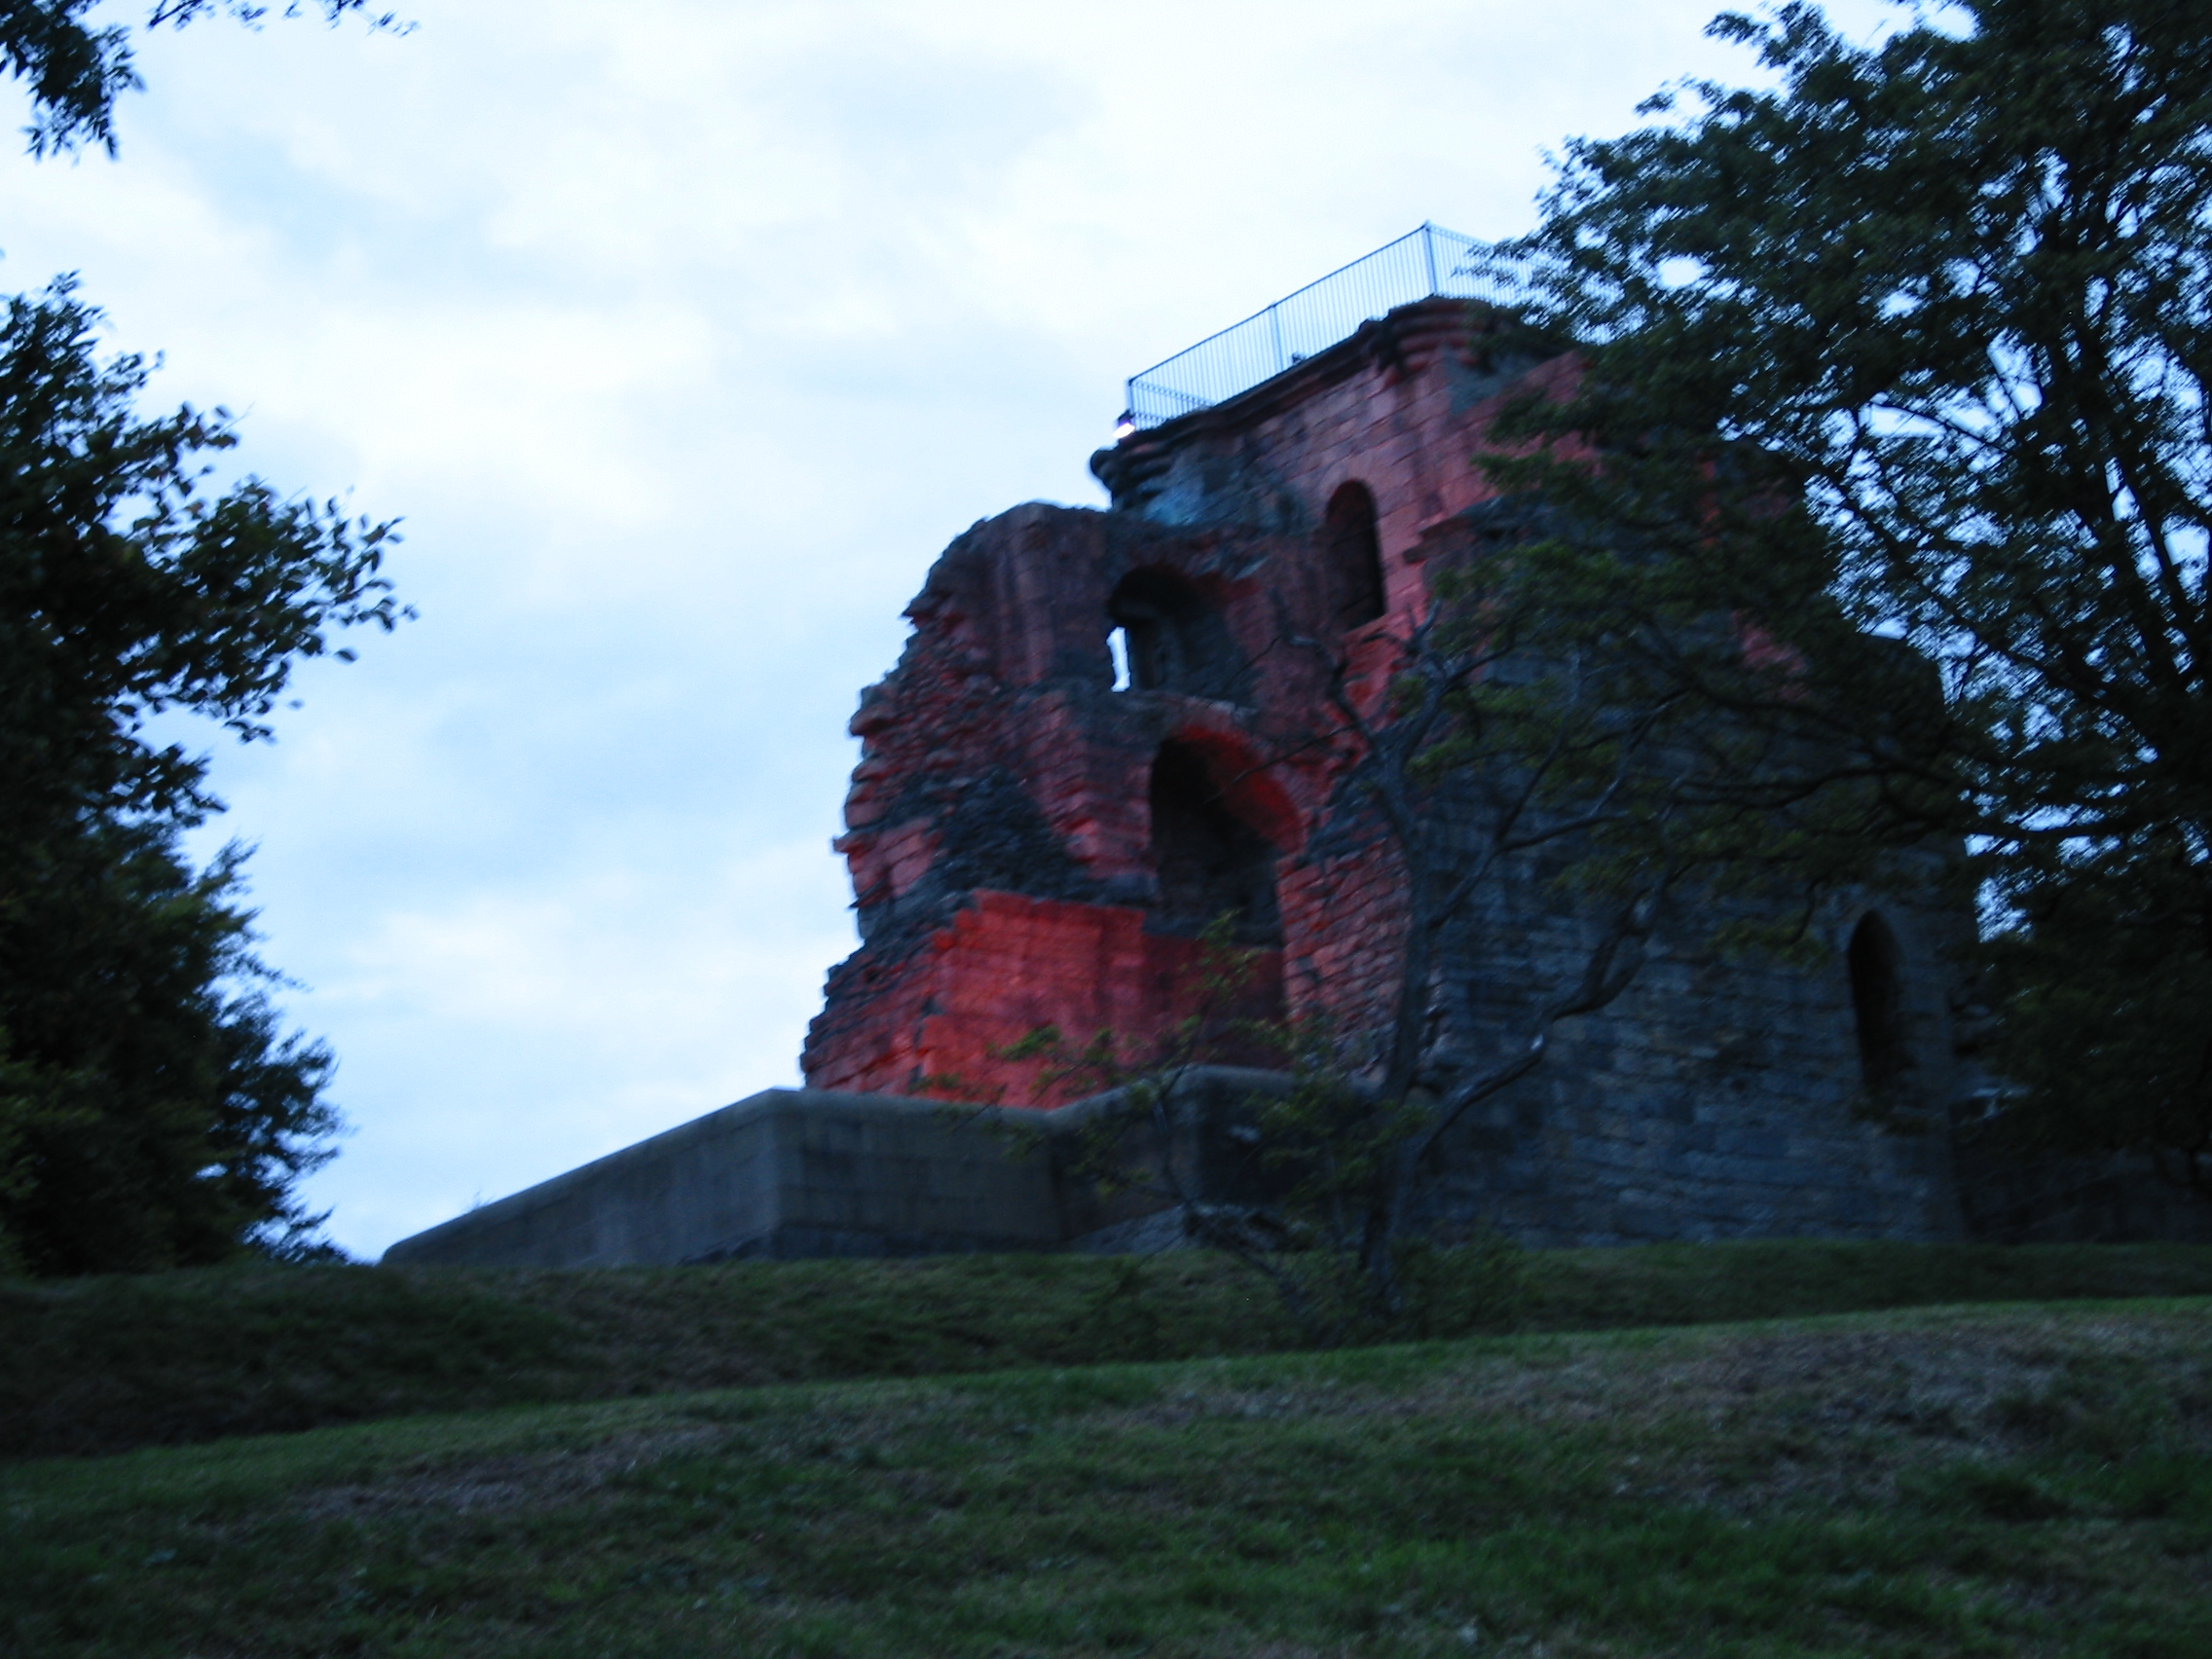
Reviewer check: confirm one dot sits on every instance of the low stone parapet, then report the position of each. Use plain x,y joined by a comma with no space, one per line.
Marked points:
787,1172
791,1172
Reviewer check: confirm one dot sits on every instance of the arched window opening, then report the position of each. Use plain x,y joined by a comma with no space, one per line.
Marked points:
1352,554
1174,639
1877,998
1207,859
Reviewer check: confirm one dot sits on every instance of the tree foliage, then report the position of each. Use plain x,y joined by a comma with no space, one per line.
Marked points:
150,1111
1902,366
75,68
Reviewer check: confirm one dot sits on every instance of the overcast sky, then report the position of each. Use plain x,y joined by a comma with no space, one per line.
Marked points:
683,334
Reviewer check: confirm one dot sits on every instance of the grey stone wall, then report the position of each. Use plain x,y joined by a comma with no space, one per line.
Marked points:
1625,1140
1725,1096
1719,1098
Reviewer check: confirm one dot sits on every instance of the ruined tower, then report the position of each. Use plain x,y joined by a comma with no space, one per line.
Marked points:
1100,734
1110,727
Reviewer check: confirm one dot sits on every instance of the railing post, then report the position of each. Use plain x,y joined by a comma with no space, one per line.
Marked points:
1428,246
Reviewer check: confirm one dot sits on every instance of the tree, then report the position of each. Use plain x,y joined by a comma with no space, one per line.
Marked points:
76,69
1504,737
1903,364
150,1111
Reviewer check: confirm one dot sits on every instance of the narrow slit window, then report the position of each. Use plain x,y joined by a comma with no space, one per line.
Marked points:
1352,552
1877,999
1118,647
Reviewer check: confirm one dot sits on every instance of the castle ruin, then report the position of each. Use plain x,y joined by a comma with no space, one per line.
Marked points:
1033,844
1098,739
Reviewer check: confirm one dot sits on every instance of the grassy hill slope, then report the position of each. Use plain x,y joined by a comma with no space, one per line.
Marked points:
2003,1480
102,1365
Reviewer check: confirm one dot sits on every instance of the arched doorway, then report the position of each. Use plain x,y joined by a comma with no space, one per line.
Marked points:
1351,553
1877,999
1207,859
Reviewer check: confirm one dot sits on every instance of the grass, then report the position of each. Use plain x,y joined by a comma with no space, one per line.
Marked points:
102,1365
2005,1480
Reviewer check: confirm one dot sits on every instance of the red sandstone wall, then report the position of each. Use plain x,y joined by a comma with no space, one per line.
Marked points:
980,931
1405,417
1004,967
1345,928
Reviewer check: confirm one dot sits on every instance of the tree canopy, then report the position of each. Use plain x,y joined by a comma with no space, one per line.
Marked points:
1903,364
75,69
150,1110
153,1112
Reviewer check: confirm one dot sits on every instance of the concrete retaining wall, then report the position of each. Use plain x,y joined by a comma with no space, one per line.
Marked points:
795,1172
788,1173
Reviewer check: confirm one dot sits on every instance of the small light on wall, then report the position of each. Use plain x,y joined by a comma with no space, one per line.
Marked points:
1124,425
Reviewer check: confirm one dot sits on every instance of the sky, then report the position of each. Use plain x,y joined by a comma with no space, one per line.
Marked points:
682,335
